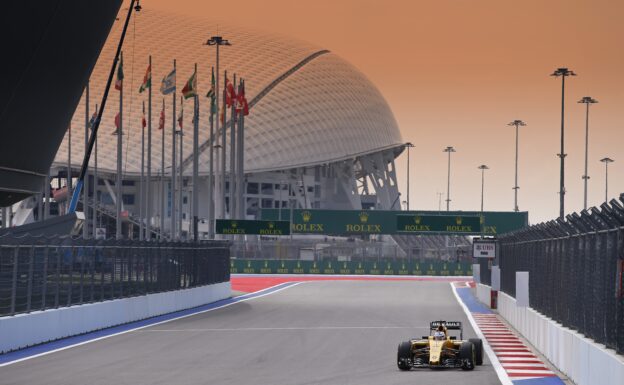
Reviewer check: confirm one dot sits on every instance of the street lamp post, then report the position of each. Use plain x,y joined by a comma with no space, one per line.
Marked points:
217,41
606,161
587,100
482,168
563,72
449,150
408,145
516,123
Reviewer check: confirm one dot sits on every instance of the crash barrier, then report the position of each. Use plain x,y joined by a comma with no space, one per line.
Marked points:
381,267
52,288
577,267
584,361
38,273
27,329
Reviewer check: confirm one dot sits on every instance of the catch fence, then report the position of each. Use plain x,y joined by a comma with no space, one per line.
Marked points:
576,271
38,273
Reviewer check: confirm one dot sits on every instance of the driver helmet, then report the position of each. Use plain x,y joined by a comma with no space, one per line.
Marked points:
439,335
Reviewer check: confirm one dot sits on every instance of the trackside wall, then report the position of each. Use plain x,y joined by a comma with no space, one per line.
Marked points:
584,361
23,330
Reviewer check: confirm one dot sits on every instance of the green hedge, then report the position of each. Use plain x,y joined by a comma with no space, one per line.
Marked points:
433,268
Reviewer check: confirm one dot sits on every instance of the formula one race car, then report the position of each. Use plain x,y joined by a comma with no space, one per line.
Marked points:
440,350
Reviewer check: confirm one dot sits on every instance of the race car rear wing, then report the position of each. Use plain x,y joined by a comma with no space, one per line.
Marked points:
450,325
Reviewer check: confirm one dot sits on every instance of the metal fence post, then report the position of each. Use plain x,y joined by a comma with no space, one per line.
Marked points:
14,281
31,258
44,283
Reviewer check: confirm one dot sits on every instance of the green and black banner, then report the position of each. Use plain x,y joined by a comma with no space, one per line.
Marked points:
235,226
433,268
354,222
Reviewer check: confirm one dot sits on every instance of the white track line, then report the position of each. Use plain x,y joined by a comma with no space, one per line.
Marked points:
500,371
157,323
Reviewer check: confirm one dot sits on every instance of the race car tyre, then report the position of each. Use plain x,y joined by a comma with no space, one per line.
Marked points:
404,356
467,353
478,350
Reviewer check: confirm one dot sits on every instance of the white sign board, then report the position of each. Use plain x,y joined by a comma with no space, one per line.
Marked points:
100,233
483,248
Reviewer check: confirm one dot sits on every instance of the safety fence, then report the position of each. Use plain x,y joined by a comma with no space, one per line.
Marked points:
373,267
347,250
576,271
38,273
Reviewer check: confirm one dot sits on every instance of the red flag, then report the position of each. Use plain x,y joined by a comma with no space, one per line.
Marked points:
241,103
144,121
181,118
161,123
117,124
230,94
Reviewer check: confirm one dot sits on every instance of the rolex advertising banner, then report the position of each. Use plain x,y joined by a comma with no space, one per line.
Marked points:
236,226
353,222
434,268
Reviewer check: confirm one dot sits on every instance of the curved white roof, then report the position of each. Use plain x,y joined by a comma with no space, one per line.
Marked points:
313,107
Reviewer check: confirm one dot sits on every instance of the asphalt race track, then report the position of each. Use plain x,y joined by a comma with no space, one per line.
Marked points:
325,332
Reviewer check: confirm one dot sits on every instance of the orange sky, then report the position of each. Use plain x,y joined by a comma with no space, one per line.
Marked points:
455,72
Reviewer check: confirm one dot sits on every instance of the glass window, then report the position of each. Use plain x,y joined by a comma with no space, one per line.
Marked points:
267,188
128,199
252,188
127,182
267,203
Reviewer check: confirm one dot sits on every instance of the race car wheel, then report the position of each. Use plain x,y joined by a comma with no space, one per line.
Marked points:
467,353
478,350
404,356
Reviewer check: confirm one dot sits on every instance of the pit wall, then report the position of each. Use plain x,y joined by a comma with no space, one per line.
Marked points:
29,329
581,359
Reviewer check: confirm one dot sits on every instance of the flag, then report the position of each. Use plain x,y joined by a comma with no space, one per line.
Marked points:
230,95
190,88
120,75
161,122
117,124
143,120
241,102
211,94
181,118
92,120
147,79
223,114
169,83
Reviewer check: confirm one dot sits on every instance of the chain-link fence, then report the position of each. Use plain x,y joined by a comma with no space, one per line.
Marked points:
575,271
341,250
43,273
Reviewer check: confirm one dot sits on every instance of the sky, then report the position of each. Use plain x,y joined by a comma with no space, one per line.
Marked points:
455,72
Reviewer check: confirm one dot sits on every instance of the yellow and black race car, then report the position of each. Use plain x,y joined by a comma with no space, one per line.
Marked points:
440,350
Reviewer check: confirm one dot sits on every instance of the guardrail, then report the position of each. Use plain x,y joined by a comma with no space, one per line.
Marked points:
575,270
38,273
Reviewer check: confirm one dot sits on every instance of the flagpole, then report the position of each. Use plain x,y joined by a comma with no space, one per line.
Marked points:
162,181
181,173
148,225
223,144
195,163
240,188
141,184
85,196
119,152
85,161
232,174
95,180
173,164
210,165
69,179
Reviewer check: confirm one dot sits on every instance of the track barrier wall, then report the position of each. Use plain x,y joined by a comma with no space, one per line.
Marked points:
52,288
584,361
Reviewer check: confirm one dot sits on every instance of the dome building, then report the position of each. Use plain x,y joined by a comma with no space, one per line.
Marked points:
319,134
